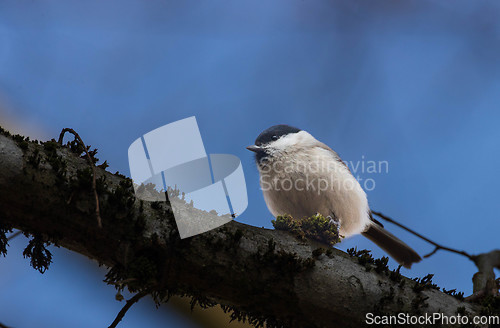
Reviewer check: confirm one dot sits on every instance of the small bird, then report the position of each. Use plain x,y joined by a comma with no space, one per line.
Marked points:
302,176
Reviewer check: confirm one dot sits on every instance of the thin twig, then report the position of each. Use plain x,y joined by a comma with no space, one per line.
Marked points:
127,306
437,246
91,163
14,235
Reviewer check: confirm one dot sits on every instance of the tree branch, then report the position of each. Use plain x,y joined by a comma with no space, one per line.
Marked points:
437,246
484,283
127,306
263,275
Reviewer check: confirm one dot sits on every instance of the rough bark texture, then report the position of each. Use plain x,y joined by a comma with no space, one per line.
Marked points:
45,191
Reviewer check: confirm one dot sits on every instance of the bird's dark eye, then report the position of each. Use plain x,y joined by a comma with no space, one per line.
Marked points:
274,137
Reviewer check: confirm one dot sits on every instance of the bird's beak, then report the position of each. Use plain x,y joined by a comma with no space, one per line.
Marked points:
254,148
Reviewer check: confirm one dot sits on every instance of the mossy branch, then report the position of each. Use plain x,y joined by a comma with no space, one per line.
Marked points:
260,275
316,227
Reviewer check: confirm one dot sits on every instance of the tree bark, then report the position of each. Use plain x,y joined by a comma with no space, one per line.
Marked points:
45,190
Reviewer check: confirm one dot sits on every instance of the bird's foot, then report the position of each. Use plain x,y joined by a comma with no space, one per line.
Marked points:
334,220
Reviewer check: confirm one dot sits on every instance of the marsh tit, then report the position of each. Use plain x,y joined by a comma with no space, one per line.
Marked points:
302,176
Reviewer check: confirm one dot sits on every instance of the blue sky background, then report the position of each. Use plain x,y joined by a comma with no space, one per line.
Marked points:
414,83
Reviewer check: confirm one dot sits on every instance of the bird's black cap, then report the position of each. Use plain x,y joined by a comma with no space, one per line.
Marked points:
274,133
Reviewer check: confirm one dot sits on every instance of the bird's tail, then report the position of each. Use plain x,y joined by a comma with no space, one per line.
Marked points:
397,249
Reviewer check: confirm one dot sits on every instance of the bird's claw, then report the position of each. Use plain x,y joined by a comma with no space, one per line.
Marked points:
334,220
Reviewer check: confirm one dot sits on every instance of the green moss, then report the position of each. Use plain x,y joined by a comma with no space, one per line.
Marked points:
316,227
288,264
104,165
143,269
490,306
287,223
40,257
424,283
229,242
150,189
396,276
253,319
453,292
92,153
56,161
34,159
140,273
364,257
75,147
277,267
4,242
82,180
4,132
121,199
235,313
101,185
173,192
21,141
202,302
381,265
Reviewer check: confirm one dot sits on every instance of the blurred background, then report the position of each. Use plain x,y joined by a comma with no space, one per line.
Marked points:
415,84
